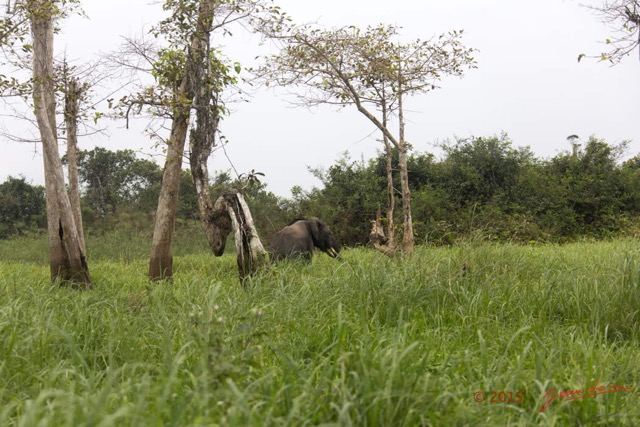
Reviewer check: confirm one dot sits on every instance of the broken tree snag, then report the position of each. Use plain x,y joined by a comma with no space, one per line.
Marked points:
251,254
378,239
214,218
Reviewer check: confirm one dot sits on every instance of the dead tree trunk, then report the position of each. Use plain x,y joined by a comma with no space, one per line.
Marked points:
202,141
391,200
67,258
73,93
200,175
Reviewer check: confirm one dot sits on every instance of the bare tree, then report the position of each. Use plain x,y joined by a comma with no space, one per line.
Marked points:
623,18
370,70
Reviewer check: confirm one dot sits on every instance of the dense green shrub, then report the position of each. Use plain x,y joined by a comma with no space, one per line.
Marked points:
485,188
22,207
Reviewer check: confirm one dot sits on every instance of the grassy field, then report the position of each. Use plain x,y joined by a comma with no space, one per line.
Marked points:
366,341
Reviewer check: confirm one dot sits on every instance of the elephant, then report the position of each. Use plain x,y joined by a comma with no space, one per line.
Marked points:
298,239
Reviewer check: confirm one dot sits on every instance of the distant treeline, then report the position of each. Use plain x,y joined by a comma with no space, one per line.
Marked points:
481,188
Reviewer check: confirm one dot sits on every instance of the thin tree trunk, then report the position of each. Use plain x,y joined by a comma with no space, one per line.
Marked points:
200,175
161,262
71,108
390,192
202,141
407,238
67,259
391,203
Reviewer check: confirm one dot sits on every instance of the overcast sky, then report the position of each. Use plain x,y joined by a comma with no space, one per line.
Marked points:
528,84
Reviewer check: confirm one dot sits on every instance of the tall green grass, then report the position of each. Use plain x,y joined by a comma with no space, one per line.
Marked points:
366,340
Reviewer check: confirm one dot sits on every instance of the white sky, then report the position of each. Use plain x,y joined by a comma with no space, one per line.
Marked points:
528,84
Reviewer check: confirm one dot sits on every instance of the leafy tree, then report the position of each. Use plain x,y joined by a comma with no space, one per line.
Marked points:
481,169
188,200
22,207
593,184
114,178
370,70
631,182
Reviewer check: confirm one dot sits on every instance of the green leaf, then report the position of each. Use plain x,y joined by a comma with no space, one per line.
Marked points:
97,116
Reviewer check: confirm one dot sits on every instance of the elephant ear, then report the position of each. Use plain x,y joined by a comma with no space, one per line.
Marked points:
315,227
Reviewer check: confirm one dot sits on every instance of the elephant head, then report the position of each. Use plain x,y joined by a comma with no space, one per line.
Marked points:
298,239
